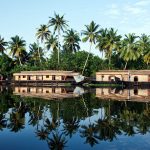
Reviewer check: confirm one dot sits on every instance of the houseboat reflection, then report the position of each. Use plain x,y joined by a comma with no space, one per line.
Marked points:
123,94
48,92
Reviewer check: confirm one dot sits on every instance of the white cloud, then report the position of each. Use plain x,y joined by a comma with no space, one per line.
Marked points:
129,17
124,20
142,3
113,10
134,10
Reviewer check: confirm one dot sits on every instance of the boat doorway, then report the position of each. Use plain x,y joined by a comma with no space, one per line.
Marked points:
135,80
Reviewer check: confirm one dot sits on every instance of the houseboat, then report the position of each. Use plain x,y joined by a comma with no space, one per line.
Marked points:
44,77
136,77
48,92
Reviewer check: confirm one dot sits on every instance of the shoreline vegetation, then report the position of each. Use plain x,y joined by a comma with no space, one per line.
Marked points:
103,85
58,47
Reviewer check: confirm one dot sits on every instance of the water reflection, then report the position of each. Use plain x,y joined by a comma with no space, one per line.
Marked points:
48,92
88,120
123,94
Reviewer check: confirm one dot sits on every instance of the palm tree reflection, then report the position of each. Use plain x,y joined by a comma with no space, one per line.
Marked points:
89,132
16,122
106,130
51,125
70,126
3,122
42,133
57,141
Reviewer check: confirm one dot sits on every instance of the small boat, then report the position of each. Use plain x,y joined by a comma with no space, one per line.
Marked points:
79,78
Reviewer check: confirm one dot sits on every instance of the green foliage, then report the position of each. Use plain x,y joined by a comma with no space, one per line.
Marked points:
3,44
6,64
71,41
43,33
131,51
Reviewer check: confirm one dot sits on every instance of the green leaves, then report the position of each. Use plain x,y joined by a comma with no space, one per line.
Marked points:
108,42
3,44
43,33
91,32
71,41
52,43
58,22
130,51
17,47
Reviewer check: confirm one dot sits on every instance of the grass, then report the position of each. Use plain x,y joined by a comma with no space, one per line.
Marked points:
103,85
67,84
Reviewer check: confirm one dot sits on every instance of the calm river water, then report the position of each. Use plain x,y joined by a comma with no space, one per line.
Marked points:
74,118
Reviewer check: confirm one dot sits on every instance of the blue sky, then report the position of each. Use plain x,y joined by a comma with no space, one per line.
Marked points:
22,17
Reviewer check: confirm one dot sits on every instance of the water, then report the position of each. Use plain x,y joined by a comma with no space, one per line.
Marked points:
74,118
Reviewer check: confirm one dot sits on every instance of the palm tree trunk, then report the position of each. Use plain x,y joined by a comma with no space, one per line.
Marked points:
125,66
109,61
20,61
58,48
39,51
87,58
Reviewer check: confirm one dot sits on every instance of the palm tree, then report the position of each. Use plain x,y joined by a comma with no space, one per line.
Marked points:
43,33
101,40
147,57
71,40
144,46
52,43
2,45
59,24
130,50
34,52
17,46
90,34
112,43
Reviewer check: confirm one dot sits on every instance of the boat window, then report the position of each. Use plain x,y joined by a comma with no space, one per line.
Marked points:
29,78
62,77
53,77
28,90
47,76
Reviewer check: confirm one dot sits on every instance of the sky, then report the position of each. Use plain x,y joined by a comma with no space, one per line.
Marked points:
23,17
